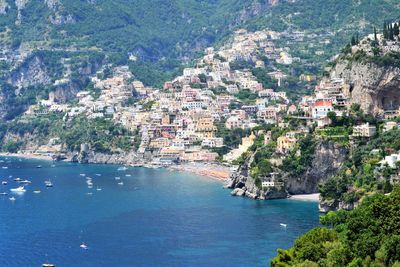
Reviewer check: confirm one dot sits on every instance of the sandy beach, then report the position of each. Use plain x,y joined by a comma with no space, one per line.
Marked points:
306,197
214,171
26,156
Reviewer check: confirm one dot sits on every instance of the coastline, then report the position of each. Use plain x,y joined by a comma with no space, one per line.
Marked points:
210,170
27,156
306,197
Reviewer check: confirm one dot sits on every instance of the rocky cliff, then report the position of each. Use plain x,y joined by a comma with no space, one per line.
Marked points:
375,88
327,160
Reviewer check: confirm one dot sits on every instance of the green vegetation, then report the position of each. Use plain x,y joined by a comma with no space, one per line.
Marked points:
362,172
300,159
366,236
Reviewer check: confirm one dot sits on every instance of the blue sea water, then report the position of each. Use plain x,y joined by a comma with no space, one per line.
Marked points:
157,218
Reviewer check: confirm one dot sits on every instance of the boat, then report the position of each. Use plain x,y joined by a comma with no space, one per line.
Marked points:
17,179
3,193
128,175
98,174
48,265
121,183
36,191
89,193
122,169
20,189
98,189
283,225
82,174
117,178
4,183
12,198
5,167
83,246
90,186
48,183
89,183
24,182
39,166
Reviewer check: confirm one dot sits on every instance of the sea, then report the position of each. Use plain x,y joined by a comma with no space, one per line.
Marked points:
138,217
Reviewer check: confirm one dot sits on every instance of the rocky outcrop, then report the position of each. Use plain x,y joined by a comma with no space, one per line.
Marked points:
327,160
244,185
326,205
374,87
102,158
31,73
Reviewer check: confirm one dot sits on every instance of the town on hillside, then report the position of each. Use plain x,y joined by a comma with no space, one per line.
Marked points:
207,114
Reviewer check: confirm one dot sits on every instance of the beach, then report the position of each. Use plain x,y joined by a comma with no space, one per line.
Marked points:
210,170
306,197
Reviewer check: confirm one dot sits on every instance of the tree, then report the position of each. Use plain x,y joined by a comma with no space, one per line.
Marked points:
396,30
385,31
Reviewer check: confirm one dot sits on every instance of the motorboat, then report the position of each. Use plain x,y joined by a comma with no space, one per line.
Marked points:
12,198
4,183
98,174
20,189
3,193
37,191
17,179
83,246
89,183
122,168
98,189
48,265
5,167
24,182
283,225
82,174
128,175
121,183
117,178
39,166
48,183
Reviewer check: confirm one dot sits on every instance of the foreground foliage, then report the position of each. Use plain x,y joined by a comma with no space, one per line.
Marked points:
367,236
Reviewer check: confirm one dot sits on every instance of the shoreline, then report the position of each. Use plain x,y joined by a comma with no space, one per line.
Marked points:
213,171
27,156
306,197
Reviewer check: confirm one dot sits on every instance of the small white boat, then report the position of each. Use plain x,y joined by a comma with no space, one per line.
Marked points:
117,178
37,191
283,225
122,168
12,198
17,179
128,175
48,265
5,167
89,193
98,189
83,246
24,182
48,183
4,183
98,174
121,183
3,193
89,183
82,174
39,166
20,189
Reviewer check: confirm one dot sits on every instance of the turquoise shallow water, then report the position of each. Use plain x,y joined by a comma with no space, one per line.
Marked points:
157,218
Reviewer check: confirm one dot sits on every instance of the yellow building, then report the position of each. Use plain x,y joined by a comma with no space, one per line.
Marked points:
285,144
